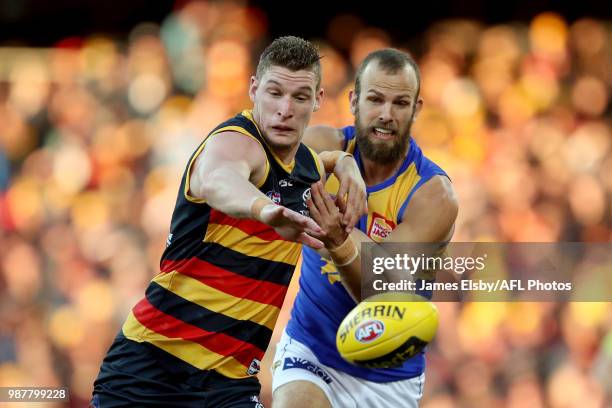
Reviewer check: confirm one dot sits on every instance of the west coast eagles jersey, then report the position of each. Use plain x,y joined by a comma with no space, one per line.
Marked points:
322,302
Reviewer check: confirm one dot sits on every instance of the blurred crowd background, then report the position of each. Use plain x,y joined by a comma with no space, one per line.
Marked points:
95,132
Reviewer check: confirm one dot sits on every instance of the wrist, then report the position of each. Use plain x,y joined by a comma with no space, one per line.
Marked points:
331,159
335,242
345,253
341,156
257,205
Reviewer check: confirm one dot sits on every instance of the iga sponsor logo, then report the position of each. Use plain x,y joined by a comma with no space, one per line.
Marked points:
274,196
254,367
380,227
369,331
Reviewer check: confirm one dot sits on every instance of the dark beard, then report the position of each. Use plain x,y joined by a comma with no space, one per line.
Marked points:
379,152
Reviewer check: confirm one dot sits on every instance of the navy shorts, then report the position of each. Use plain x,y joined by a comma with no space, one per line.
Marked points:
141,375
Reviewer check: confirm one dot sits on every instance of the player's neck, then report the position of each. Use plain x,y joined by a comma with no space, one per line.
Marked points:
285,154
375,173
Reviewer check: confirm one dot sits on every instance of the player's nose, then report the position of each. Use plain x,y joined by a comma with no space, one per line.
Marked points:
285,108
385,113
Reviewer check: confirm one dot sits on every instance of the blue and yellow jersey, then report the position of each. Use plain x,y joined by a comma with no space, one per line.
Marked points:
322,302
223,280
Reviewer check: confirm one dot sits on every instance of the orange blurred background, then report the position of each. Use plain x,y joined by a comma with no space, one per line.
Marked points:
95,133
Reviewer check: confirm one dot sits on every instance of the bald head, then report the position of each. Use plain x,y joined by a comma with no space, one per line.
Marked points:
389,61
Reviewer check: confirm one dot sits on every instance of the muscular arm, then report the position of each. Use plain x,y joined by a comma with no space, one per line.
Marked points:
429,217
224,175
323,138
225,172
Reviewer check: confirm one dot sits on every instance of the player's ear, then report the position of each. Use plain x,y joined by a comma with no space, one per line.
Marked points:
318,100
353,99
417,108
253,85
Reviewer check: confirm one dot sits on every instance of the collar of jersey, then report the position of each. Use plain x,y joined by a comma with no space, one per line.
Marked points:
287,167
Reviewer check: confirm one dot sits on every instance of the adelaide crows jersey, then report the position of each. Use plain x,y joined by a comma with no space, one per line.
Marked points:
223,280
322,302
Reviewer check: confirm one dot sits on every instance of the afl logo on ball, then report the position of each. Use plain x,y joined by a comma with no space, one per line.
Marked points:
369,331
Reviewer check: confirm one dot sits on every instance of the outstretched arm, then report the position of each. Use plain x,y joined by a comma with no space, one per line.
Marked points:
225,174
226,171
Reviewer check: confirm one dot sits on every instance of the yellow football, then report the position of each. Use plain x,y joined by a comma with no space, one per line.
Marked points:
387,329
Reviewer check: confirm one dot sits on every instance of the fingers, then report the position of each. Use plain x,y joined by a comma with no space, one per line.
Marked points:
348,212
314,211
305,223
352,208
316,195
329,203
351,215
341,203
343,190
310,241
311,226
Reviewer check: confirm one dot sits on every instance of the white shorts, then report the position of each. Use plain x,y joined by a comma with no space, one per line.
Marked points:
294,361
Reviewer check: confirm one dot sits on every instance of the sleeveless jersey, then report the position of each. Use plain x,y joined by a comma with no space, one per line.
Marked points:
322,302
223,280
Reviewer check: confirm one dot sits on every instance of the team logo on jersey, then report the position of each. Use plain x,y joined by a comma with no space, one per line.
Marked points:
296,362
254,367
369,331
331,271
380,227
274,196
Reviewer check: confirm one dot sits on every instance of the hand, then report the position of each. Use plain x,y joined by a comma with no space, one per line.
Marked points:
351,183
324,211
291,225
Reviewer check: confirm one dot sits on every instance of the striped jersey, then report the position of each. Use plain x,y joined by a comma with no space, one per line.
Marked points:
223,280
322,302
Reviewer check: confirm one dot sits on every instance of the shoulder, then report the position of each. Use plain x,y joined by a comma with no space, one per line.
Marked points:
233,145
435,199
234,138
437,190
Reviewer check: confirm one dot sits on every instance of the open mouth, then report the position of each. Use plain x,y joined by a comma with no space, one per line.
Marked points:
383,133
283,129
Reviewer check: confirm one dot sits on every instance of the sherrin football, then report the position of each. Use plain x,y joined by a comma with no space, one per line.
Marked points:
387,329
